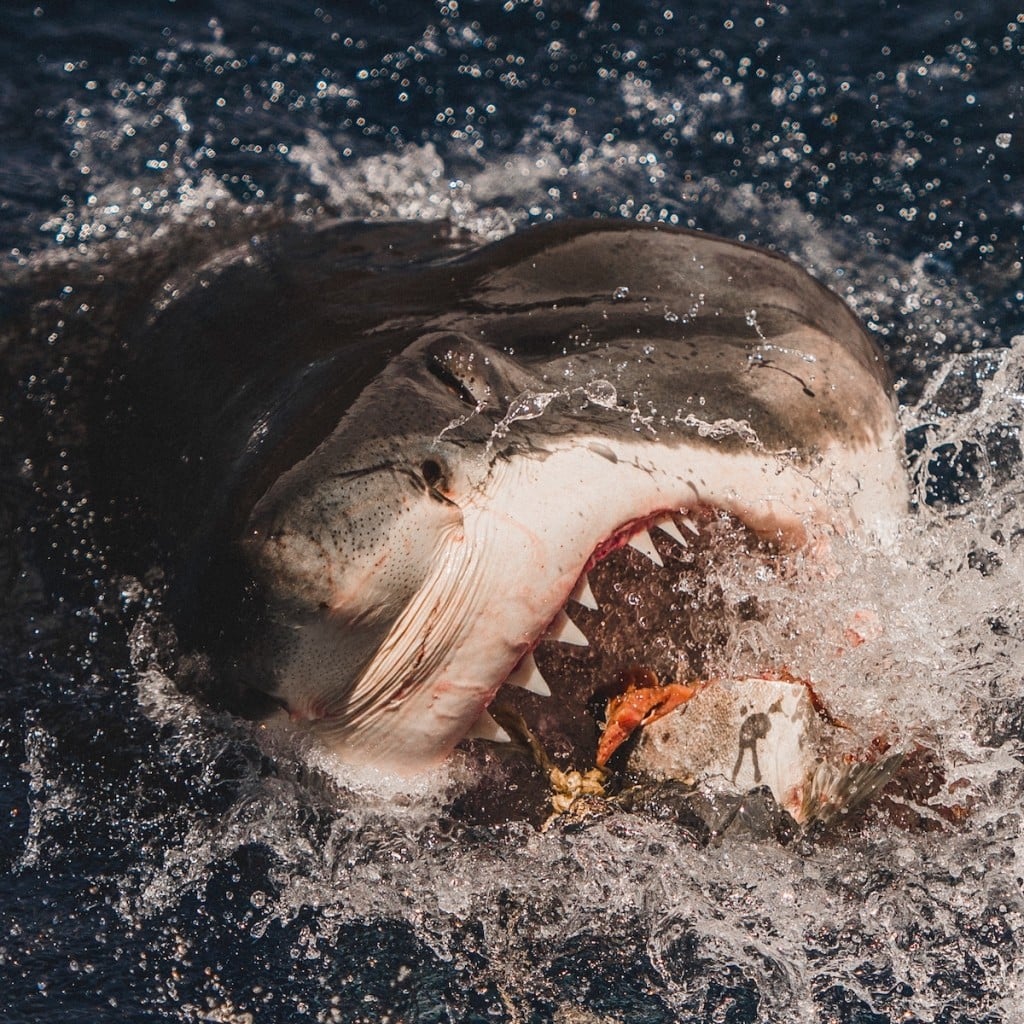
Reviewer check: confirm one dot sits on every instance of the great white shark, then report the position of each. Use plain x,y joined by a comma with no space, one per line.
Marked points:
558,395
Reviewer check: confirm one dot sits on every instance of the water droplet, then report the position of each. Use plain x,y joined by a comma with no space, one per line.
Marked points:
529,405
620,294
602,393
1003,140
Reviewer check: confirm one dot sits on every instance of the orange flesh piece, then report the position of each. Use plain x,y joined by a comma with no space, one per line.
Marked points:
638,706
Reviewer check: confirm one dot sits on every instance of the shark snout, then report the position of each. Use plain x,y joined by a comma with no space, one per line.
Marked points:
353,543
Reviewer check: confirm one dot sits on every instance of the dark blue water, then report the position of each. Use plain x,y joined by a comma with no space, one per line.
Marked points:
156,863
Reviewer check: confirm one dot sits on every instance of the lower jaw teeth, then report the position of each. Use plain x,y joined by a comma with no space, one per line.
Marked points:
527,676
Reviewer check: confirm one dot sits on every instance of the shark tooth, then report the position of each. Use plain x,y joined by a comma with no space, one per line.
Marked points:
566,631
642,542
527,676
486,728
691,526
668,525
584,595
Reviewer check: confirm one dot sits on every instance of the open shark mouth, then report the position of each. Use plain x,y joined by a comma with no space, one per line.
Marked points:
645,671
653,603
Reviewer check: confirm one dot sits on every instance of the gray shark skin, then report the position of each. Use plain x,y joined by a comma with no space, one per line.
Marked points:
545,399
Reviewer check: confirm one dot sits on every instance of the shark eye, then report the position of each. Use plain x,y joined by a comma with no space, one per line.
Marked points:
443,371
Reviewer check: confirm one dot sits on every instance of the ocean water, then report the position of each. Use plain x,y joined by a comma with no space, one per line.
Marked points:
159,863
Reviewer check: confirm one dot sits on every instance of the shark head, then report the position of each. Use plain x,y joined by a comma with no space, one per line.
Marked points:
409,565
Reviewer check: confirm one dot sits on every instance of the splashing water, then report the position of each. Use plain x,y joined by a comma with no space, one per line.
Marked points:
528,405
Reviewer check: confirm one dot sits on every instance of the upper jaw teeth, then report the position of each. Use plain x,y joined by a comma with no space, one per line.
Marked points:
486,728
566,631
526,674
643,543
668,525
584,595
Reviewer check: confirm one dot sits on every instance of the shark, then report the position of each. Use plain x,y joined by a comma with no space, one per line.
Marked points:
557,396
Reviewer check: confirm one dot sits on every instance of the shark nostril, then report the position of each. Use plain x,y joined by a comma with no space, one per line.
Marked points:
433,473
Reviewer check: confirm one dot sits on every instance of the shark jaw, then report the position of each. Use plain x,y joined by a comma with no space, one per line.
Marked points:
508,549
